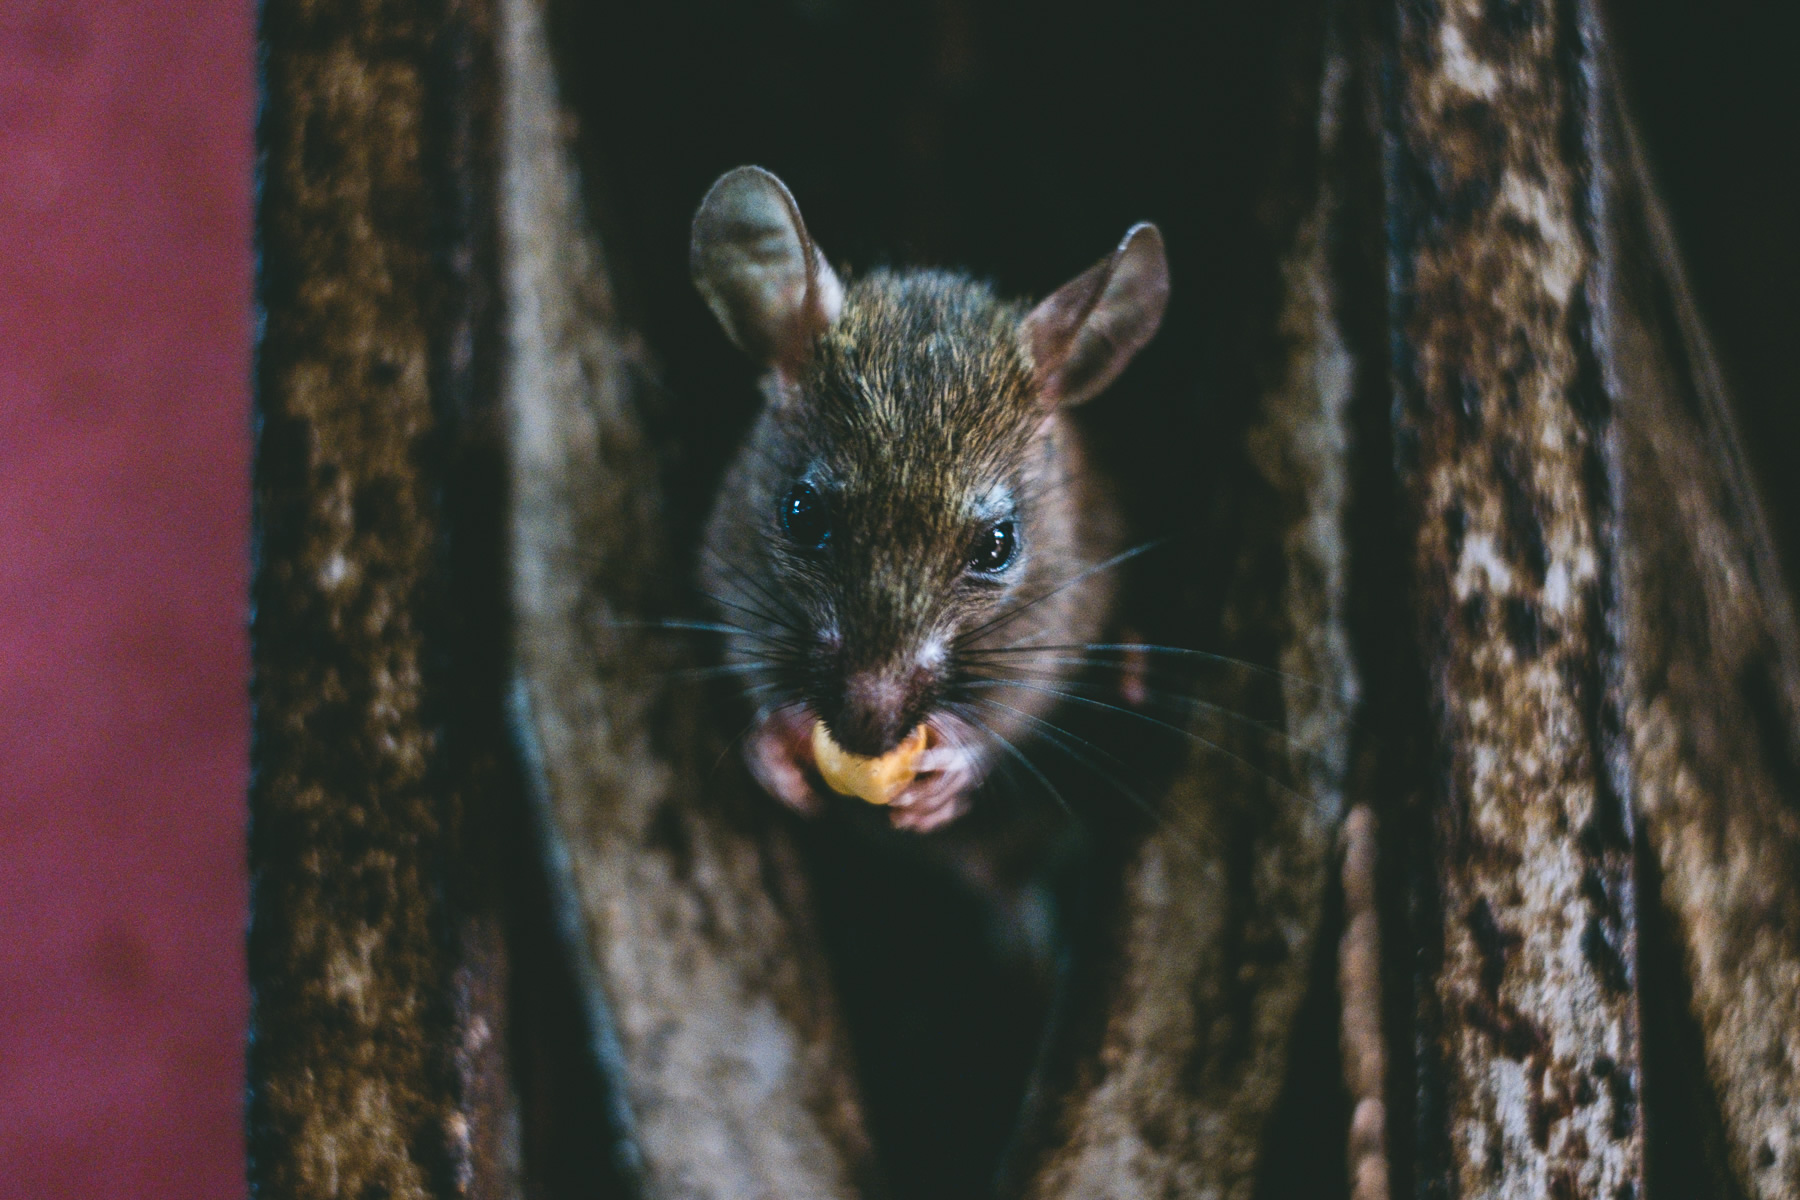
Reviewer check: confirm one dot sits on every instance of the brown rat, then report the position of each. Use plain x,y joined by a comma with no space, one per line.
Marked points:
912,504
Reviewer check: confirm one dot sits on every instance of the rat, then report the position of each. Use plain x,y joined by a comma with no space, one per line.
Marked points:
909,544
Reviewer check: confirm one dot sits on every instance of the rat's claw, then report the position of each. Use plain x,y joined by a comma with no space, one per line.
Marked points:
924,806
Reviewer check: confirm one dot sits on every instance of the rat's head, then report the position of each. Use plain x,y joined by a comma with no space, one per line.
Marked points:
911,500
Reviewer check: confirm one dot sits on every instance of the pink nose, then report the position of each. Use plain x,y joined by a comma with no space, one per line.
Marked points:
879,708
876,692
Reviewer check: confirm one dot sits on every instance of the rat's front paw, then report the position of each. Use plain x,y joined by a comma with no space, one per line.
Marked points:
778,754
939,794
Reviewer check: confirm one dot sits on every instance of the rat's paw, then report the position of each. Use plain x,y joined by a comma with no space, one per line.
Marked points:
777,756
926,806
939,794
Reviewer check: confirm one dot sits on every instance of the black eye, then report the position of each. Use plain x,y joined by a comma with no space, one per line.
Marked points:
804,519
995,548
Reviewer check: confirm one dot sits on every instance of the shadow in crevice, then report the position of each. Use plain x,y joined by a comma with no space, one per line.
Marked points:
1684,1129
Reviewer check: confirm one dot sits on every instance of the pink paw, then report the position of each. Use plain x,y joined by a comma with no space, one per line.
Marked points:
778,752
941,792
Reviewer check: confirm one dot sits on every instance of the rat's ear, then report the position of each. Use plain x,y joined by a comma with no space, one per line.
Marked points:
1084,334
759,271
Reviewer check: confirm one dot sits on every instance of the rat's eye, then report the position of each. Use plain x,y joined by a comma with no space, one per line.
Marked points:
995,549
803,517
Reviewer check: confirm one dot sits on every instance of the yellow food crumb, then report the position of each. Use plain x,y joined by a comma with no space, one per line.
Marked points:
877,780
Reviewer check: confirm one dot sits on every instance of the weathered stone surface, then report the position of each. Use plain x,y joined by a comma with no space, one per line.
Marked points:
1501,427
377,1060
1712,661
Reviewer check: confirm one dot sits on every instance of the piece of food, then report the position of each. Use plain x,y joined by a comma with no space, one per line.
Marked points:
877,780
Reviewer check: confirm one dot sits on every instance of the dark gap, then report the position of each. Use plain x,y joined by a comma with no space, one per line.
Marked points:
1719,109
565,1109
1774,733
1684,1131
1389,744
1305,1150
943,1004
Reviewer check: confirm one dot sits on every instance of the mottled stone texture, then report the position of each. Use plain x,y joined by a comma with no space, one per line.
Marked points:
1529,1017
1712,667
377,1054
1611,660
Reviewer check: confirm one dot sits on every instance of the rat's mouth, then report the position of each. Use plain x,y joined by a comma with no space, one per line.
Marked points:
924,782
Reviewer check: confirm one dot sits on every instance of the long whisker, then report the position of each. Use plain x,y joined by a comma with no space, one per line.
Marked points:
1175,729
1164,651
1060,738
795,619
793,632
1004,769
726,752
704,673
1018,754
1168,698
720,671
1012,614
694,626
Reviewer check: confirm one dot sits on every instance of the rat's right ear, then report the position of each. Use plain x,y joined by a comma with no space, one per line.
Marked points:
759,271
1084,334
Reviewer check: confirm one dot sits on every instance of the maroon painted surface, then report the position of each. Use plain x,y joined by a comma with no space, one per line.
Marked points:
124,509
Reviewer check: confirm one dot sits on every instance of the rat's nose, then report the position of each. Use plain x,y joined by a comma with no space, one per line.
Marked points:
878,709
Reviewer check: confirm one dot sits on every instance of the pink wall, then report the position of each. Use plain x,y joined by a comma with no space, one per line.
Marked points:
125,164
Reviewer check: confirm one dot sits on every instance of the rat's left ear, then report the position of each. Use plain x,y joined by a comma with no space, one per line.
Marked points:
1084,334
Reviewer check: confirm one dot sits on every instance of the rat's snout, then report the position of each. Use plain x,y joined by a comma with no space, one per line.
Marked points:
879,707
